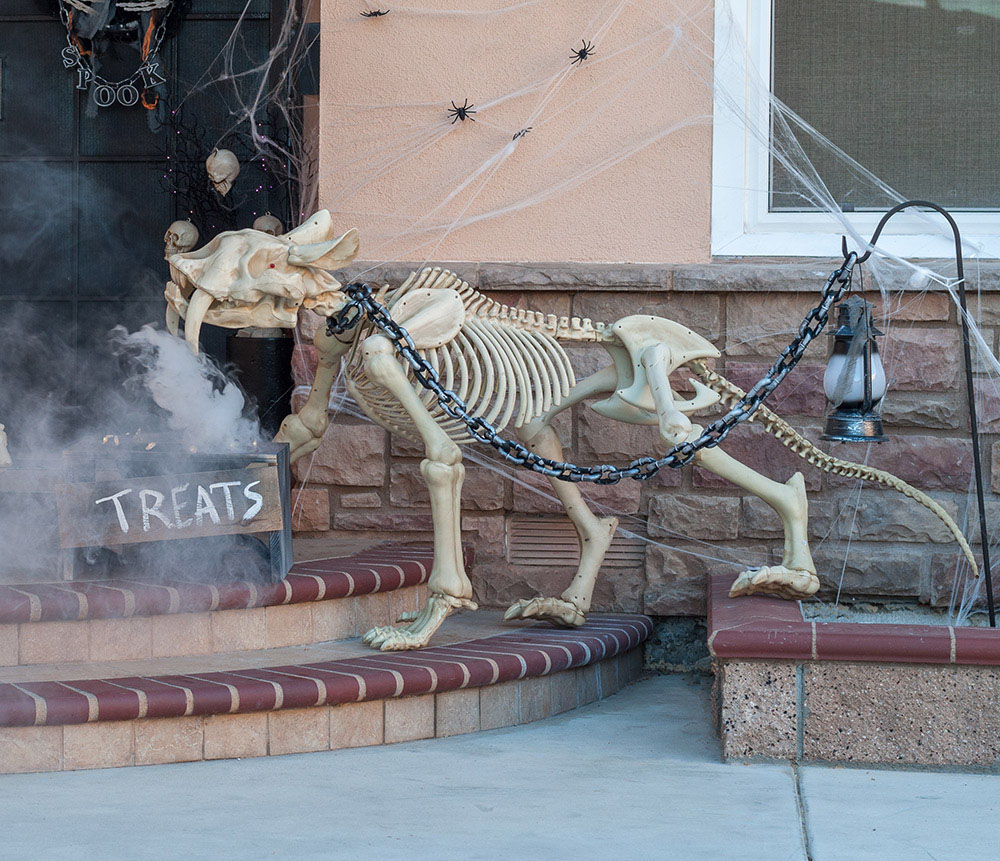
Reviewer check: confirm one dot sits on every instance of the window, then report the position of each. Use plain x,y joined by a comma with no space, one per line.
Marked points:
905,87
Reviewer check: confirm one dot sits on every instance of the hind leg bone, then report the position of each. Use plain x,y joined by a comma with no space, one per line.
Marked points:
795,577
594,533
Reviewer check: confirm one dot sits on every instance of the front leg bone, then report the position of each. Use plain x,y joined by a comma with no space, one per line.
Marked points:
303,431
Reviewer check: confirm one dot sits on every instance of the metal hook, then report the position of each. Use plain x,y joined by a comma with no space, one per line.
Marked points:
899,207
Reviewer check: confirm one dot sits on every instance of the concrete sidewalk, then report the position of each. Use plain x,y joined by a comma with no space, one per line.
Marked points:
633,777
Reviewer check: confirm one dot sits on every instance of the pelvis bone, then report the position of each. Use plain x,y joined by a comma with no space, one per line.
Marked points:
648,351
249,278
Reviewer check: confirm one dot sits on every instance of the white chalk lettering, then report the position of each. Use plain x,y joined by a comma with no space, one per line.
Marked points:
179,506
205,506
256,498
122,522
225,485
154,510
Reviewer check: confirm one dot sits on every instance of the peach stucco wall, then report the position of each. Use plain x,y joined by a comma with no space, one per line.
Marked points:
386,82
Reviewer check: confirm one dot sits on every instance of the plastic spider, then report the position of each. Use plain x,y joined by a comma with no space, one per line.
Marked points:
375,13
581,54
521,133
461,112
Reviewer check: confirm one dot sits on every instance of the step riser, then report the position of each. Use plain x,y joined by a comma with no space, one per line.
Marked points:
111,744
202,633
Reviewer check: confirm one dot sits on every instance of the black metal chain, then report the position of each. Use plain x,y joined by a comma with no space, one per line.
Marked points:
362,305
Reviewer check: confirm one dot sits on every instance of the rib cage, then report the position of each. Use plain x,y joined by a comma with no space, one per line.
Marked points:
503,363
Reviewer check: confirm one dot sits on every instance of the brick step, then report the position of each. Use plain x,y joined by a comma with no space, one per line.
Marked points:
114,620
480,674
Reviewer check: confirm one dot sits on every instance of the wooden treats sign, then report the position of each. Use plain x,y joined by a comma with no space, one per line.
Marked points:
162,494
158,508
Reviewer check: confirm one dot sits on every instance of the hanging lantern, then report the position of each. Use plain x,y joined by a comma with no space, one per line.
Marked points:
854,381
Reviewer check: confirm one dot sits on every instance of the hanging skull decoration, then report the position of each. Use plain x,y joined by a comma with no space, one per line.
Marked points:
267,223
181,236
223,167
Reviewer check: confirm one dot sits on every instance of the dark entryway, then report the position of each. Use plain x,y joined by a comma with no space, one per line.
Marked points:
83,204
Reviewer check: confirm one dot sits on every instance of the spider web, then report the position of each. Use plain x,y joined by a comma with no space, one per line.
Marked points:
557,140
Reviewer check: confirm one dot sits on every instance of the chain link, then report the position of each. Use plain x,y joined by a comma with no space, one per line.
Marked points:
362,305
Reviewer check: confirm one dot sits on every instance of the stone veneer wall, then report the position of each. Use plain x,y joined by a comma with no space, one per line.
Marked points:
361,482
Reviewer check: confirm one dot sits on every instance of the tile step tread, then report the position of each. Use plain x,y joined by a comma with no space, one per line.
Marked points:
456,629
383,568
470,651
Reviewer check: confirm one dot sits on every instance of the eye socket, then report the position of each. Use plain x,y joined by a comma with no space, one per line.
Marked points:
259,262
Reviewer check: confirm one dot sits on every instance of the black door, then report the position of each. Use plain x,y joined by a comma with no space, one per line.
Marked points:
83,200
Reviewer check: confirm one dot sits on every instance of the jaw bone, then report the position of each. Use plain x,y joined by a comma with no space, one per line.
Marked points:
269,312
177,302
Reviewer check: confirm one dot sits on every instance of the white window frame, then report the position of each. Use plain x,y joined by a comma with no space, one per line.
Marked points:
741,223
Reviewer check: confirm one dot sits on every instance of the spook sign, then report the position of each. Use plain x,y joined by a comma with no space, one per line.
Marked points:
158,508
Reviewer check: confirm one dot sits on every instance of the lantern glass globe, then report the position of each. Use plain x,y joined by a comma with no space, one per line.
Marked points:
844,380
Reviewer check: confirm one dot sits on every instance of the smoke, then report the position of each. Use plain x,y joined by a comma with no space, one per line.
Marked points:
205,407
145,389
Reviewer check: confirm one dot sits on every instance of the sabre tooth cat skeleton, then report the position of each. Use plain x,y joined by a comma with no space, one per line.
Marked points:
508,366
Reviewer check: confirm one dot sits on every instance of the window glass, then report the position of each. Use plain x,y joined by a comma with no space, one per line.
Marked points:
908,88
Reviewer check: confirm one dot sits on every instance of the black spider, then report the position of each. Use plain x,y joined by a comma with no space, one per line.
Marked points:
375,13
581,54
521,133
461,112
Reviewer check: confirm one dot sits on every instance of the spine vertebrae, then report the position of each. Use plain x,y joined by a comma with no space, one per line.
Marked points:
561,328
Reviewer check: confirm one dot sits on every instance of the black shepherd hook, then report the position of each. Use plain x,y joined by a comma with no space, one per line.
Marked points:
970,389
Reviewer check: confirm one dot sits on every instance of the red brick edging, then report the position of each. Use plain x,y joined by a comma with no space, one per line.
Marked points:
527,652
759,627
380,569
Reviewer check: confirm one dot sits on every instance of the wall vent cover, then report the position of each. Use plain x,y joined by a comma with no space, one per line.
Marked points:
551,541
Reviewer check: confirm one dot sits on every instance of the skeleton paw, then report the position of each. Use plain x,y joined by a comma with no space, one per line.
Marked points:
555,610
775,580
301,439
418,628
392,639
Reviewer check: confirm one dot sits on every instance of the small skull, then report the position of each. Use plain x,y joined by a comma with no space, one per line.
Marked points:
223,167
267,223
181,236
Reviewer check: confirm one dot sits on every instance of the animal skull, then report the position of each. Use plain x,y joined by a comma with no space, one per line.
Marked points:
223,167
181,236
249,278
267,223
